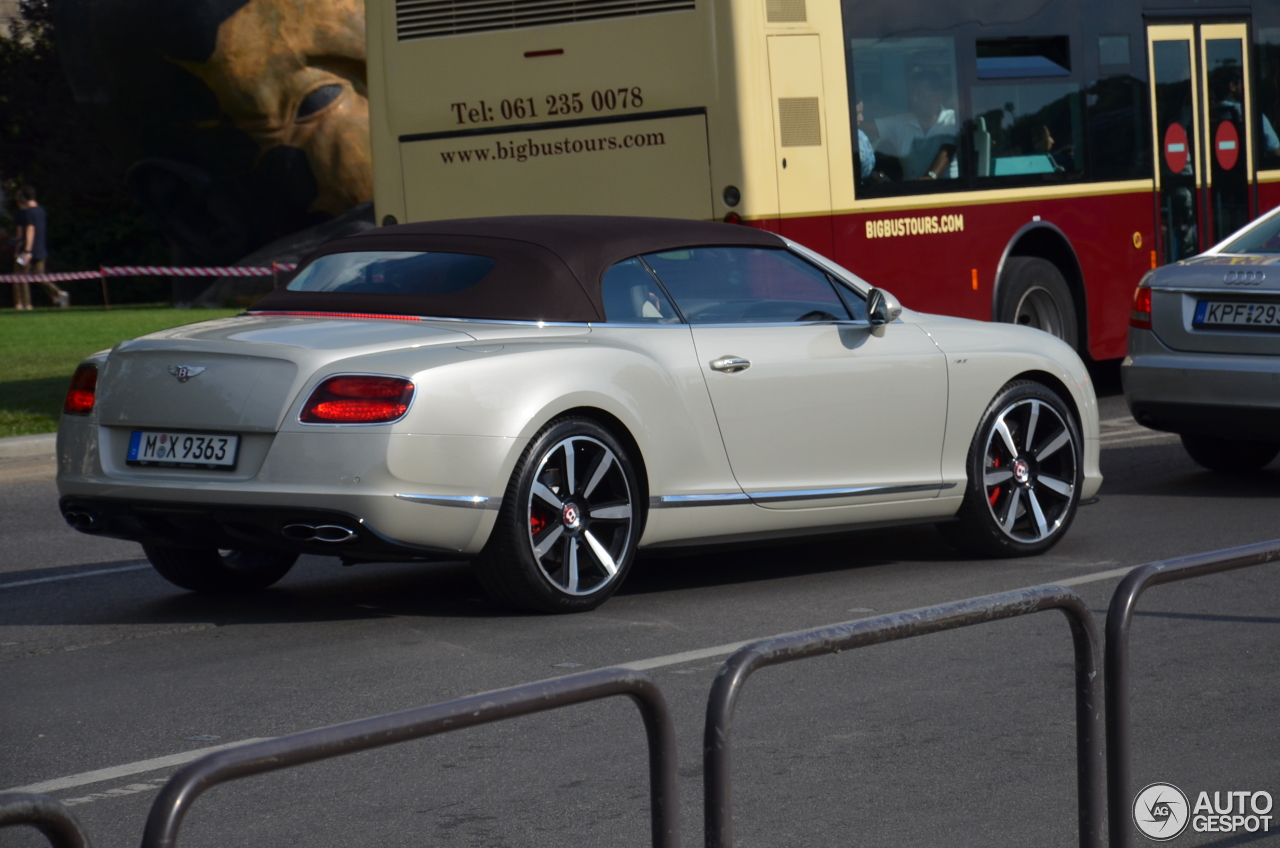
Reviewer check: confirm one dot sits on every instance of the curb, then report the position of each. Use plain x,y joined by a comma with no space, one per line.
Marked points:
22,447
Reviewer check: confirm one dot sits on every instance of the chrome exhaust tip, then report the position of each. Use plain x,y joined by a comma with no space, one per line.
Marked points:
83,520
334,533
328,533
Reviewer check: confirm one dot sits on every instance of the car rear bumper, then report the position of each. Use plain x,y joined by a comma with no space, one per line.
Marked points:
1213,394
402,496
301,530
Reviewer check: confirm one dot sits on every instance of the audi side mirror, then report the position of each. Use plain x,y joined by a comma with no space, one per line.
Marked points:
882,307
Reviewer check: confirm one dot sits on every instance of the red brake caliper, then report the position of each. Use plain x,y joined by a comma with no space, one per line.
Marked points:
995,493
536,523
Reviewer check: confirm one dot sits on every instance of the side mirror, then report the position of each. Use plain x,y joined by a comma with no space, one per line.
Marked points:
882,307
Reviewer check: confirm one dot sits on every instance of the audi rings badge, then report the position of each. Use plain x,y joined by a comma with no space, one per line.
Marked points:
1244,278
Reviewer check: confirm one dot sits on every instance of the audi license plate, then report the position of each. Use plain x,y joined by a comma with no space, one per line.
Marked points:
183,450
1217,313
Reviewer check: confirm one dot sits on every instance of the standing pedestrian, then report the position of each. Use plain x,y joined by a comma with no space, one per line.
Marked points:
32,251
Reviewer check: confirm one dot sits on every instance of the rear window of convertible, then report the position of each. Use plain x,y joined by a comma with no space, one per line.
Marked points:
393,272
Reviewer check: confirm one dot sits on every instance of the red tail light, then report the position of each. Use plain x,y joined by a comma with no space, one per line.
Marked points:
1140,317
356,399
82,391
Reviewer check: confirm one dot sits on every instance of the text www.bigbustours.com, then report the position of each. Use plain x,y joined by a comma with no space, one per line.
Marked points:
529,149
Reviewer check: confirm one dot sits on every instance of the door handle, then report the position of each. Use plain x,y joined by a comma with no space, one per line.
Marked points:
730,364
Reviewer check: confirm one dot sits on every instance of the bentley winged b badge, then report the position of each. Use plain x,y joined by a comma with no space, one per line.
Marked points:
185,372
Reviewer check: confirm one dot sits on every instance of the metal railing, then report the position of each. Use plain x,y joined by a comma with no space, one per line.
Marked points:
62,829
177,796
1118,677
45,814
717,741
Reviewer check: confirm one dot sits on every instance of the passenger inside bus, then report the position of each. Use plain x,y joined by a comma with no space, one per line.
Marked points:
1179,227
1228,92
866,150
1062,155
1267,96
1027,130
922,141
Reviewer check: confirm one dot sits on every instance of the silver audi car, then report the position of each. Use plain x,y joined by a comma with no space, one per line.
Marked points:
544,396
1204,350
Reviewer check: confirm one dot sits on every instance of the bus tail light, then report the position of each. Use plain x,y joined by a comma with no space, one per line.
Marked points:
358,399
82,392
1140,317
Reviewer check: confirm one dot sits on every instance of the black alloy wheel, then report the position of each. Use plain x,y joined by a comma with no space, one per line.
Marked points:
213,571
569,523
1229,456
1033,293
1025,468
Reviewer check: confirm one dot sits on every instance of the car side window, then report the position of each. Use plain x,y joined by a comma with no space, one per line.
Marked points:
633,296
747,285
853,300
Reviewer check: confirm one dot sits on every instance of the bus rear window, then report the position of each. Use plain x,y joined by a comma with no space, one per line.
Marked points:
393,272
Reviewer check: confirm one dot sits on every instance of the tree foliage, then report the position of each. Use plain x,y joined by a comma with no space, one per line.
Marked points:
47,142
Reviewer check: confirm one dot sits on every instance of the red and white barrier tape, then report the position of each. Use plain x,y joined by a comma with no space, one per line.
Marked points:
49,278
149,271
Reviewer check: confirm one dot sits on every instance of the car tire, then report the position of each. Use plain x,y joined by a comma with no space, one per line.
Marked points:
211,571
569,523
1033,293
1229,456
1025,469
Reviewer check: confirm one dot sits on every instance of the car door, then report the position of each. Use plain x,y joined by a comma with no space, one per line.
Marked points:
816,407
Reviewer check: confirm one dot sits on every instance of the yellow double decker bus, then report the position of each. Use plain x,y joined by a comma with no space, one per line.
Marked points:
1016,161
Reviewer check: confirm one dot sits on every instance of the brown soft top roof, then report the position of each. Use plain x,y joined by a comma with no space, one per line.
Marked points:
548,267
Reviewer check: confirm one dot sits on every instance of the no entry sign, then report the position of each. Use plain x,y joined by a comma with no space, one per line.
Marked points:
1175,147
1226,145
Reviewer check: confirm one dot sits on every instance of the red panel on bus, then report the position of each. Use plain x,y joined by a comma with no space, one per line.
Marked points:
926,256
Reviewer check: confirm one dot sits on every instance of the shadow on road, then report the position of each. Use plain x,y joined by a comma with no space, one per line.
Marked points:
318,589
757,561
1166,471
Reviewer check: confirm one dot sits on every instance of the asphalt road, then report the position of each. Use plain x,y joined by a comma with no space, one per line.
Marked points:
962,738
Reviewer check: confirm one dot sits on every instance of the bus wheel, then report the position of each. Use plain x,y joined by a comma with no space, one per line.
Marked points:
1034,293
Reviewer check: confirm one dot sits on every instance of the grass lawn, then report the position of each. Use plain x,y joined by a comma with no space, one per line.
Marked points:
39,351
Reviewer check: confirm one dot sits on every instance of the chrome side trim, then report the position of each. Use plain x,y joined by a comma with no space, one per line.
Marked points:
718,499
820,494
464,501
729,498
504,321
428,318
839,322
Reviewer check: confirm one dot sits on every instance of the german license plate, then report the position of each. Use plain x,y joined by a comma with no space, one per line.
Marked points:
1218,313
183,450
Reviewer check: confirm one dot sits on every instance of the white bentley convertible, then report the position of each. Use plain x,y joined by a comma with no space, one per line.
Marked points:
543,396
